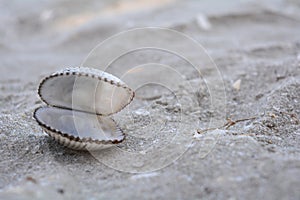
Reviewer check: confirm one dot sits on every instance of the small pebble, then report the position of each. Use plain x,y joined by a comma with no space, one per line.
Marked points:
237,85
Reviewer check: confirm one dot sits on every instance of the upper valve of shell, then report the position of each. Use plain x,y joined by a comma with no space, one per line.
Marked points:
85,89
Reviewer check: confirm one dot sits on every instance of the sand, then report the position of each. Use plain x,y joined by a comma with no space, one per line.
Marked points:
256,48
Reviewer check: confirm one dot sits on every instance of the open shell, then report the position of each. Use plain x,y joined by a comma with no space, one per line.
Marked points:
79,101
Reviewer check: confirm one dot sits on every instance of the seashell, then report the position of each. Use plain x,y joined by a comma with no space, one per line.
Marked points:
79,104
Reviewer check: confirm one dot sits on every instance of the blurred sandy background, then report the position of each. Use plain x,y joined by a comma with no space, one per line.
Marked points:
256,42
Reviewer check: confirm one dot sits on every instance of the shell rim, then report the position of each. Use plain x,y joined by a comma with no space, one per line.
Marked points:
77,139
67,72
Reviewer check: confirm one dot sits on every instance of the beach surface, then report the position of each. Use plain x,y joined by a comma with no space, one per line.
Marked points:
255,46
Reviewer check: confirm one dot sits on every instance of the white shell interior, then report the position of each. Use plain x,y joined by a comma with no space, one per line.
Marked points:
79,124
86,93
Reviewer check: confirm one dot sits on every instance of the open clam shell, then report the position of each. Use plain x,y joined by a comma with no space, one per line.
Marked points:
79,101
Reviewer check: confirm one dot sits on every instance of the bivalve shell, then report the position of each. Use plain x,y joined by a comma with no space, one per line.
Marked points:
79,104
